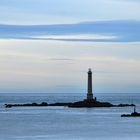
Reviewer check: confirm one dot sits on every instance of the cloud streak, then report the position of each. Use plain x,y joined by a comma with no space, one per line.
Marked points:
101,31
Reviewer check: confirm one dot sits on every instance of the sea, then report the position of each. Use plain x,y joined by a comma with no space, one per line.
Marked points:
63,123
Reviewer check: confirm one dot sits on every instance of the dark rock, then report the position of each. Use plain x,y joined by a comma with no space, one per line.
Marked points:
90,103
60,104
79,104
134,114
26,105
44,104
125,105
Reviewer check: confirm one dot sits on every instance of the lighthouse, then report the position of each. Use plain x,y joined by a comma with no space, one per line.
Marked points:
89,86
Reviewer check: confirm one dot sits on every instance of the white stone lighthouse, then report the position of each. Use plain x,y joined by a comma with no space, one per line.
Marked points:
89,88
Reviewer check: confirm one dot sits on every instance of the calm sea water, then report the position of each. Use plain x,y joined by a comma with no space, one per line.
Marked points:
62,123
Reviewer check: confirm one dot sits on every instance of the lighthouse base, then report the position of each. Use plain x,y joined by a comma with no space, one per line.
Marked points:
89,96
90,103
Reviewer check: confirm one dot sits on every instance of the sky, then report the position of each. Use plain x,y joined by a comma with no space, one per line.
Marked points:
47,46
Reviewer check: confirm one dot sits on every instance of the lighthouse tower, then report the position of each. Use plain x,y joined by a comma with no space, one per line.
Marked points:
89,88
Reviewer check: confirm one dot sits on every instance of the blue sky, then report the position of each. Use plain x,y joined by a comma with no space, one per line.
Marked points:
48,46
70,11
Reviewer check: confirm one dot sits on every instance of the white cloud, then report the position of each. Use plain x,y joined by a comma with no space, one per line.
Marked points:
80,36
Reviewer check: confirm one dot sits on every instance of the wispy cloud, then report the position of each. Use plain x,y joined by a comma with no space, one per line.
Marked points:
101,31
31,57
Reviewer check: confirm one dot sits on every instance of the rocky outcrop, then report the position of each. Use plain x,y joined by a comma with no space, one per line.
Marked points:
79,104
26,105
134,114
90,103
